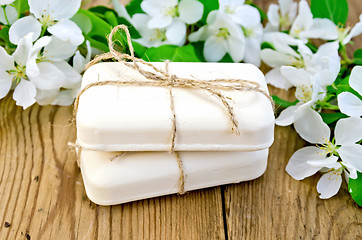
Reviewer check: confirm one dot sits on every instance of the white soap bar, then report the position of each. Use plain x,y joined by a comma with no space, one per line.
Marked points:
141,175
138,118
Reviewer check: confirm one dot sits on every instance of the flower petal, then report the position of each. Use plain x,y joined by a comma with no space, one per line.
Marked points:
329,184
23,27
275,59
6,60
190,11
273,14
214,49
329,162
56,9
67,30
356,30
72,77
276,79
350,104
199,35
303,21
298,168
159,22
24,94
46,97
5,2
58,50
50,77
5,83
351,153
310,126
247,16
322,28
176,33
22,52
348,130
297,77
287,116
65,97
236,48
355,79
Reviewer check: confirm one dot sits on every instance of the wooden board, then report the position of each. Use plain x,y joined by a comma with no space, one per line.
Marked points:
42,194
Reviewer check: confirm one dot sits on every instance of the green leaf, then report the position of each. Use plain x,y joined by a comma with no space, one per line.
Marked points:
134,7
357,56
138,49
227,59
199,49
21,6
209,5
329,118
282,102
99,26
170,52
111,18
100,9
83,22
267,45
355,188
4,35
335,10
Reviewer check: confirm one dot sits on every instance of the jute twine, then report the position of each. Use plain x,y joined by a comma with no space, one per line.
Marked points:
160,78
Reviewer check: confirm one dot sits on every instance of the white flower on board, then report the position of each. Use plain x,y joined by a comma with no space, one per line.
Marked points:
346,34
173,16
281,17
349,103
221,36
305,26
156,37
333,157
325,62
308,92
51,15
13,74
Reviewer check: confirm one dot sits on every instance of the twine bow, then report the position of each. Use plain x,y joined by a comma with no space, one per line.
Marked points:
161,78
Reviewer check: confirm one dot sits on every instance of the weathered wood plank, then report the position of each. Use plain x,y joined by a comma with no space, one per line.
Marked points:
42,193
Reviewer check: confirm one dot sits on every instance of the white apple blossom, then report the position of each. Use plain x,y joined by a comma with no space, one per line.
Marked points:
325,61
71,86
305,26
281,17
329,156
349,103
221,36
173,15
51,15
13,74
308,92
8,15
346,34
156,36
249,19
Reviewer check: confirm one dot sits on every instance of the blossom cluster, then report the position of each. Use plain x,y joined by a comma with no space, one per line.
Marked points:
35,62
316,77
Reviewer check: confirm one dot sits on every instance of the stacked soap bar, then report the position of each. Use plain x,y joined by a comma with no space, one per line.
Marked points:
137,120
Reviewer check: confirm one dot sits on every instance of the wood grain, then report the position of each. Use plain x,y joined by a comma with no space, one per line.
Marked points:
42,194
